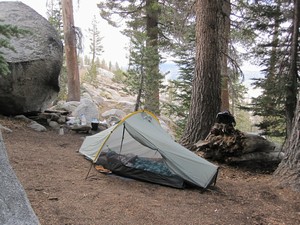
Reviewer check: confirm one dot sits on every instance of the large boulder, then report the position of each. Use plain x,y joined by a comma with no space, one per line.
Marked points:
87,108
35,65
15,208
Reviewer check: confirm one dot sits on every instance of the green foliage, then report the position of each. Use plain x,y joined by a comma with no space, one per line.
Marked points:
169,20
103,64
91,74
261,28
269,19
87,60
96,48
54,15
63,79
180,90
243,121
270,106
142,20
97,62
109,66
119,76
136,68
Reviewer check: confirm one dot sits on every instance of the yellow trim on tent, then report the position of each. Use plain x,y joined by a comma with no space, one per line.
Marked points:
139,111
121,122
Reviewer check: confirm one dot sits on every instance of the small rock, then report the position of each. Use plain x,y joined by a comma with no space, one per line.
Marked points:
53,198
37,127
54,124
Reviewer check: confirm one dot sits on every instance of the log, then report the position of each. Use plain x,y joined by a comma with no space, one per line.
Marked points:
60,112
228,145
81,128
51,116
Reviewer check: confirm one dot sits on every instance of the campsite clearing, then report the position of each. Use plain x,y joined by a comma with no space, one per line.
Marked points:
53,175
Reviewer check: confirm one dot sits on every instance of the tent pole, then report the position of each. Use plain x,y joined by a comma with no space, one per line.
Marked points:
89,170
122,138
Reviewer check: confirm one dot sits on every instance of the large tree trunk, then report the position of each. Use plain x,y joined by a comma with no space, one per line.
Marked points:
70,50
288,172
206,89
291,87
152,79
224,30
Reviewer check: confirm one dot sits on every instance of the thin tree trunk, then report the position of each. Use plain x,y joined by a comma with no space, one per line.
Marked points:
224,28
139,95
70,51
206,89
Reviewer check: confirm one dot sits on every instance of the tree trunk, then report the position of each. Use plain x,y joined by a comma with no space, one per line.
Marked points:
291,87
152,79
139,95
206,88
288,171
224,29
70,51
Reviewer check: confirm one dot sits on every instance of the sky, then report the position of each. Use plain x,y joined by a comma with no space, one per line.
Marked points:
114,43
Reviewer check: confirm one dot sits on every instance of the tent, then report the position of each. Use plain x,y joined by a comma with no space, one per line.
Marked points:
138,147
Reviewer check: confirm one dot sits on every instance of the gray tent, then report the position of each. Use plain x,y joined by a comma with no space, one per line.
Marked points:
138,147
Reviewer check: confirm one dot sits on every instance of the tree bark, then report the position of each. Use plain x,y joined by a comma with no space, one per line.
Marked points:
139,95
70,51
152,79
291,87
288,171
224,29
206,88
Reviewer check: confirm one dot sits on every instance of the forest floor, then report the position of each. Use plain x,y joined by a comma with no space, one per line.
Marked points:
53,175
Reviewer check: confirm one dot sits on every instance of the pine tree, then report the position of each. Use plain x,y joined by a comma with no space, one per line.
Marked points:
288,171
270,19
136,69
96,49
180,89
142,16
206,89
103,64
87,60
54,16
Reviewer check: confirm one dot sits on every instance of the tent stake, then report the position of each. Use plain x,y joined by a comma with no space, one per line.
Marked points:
89,170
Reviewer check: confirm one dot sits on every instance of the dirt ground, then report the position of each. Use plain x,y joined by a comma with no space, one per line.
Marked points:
53,175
